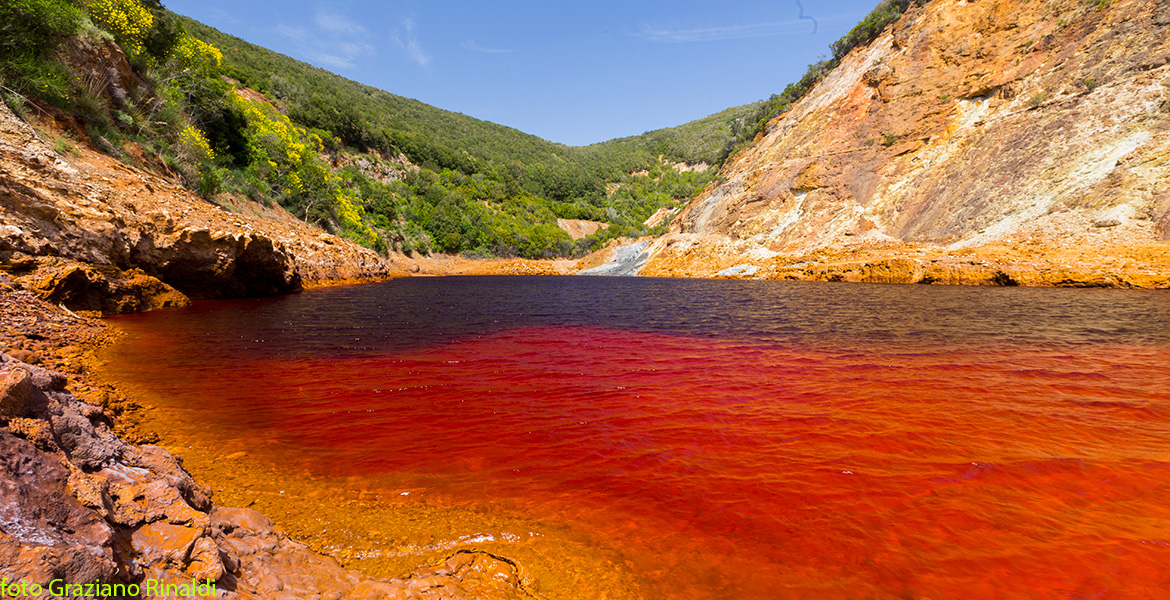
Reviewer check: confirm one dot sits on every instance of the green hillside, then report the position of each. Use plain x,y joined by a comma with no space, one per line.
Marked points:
571,181
370,119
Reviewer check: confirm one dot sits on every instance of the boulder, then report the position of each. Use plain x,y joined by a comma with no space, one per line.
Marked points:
15,388
45,533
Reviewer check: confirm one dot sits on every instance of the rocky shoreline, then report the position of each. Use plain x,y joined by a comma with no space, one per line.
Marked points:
1123,266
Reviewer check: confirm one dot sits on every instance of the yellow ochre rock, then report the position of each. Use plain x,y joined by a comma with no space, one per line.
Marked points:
1030,139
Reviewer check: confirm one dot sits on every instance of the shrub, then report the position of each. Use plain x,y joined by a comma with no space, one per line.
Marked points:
29,30
193,146
128,20
36,24
63,147
210,181
15,102
197,162
198,55
163,37
886,12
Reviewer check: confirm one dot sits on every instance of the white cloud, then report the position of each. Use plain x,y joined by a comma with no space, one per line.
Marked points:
338,23
409,43
729,32
474,47
296,34
335,41
220,16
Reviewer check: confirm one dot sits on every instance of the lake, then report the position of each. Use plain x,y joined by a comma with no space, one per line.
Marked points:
699,439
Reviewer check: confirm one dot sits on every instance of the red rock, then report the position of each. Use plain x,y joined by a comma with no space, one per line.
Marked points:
45,532
242,520
162,542
164,464
15,387
205,562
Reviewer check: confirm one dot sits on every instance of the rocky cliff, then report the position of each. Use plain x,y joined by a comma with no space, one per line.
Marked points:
94,234
988,141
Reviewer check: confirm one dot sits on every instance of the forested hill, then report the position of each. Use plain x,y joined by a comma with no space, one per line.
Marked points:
369,119
572,179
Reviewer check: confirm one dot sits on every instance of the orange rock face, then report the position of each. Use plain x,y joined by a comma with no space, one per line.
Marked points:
577,228
1030,133
95,235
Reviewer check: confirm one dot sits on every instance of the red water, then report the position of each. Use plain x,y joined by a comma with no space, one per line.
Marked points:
726,469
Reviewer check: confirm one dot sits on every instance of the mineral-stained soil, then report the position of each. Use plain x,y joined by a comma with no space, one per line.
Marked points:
578,228
969,139
458,265
1027,264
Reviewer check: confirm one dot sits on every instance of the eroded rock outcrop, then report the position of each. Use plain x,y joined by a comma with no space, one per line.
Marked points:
96,235
1035,136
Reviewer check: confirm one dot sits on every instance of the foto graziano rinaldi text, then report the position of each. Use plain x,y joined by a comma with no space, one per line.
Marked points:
149,588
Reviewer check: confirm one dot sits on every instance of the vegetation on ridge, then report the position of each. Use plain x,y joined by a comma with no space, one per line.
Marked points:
29,32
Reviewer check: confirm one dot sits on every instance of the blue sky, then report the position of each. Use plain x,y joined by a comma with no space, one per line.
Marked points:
574,73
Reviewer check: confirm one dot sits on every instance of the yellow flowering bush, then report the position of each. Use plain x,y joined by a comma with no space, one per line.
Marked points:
196,54
193,146
198,158
128,20
276,143
351,218
287,158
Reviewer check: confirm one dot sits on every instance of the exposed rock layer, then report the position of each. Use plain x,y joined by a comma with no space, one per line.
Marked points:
97,235
1040,128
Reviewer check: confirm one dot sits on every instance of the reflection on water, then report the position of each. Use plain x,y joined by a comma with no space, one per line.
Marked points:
760,439
412,312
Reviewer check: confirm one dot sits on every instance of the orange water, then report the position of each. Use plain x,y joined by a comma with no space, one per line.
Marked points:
724,466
